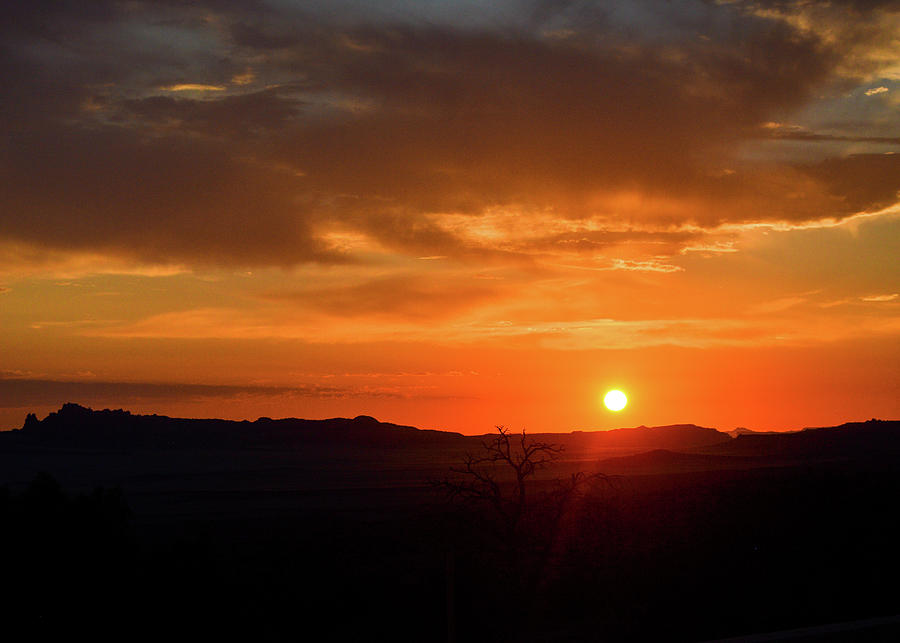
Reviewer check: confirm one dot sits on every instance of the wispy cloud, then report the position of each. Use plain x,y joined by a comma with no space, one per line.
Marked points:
565,334
651,265
193,87
24,392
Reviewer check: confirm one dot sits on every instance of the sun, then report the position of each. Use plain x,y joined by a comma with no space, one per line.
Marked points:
615,400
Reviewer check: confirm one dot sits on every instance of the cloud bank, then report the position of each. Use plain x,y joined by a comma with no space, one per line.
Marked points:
230,134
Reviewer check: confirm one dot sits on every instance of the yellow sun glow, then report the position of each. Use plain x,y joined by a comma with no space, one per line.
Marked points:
615,400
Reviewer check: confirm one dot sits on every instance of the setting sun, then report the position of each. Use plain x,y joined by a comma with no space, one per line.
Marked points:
615,400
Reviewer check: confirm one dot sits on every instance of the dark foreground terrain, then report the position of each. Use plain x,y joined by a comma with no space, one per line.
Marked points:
347,534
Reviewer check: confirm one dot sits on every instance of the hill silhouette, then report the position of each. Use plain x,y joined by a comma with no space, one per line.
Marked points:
77,426
873,438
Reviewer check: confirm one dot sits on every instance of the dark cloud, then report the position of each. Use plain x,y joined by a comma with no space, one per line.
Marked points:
592,241
263,37
476,117
862,181
241,115
163,198
53,19
857,6
814,136
379,126
17,393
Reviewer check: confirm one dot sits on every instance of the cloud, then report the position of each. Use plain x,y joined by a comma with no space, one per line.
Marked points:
239,115
593,334
408,297
21,261
588,241
628,265
192,87
23,392
164,199
863,32
410,133
860,182
796,133
644,266
876,90
485,118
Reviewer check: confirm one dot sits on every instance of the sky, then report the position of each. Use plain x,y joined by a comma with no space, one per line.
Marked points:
452,214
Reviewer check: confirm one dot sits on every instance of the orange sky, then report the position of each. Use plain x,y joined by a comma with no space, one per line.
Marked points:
453,216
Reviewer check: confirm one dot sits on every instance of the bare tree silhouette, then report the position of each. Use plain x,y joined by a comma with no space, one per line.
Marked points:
524,517
479,477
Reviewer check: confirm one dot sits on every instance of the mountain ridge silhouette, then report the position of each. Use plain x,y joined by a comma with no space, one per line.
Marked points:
76,426
876,438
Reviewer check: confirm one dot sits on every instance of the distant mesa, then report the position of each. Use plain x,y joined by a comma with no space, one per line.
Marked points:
76,426
690,448
873,438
